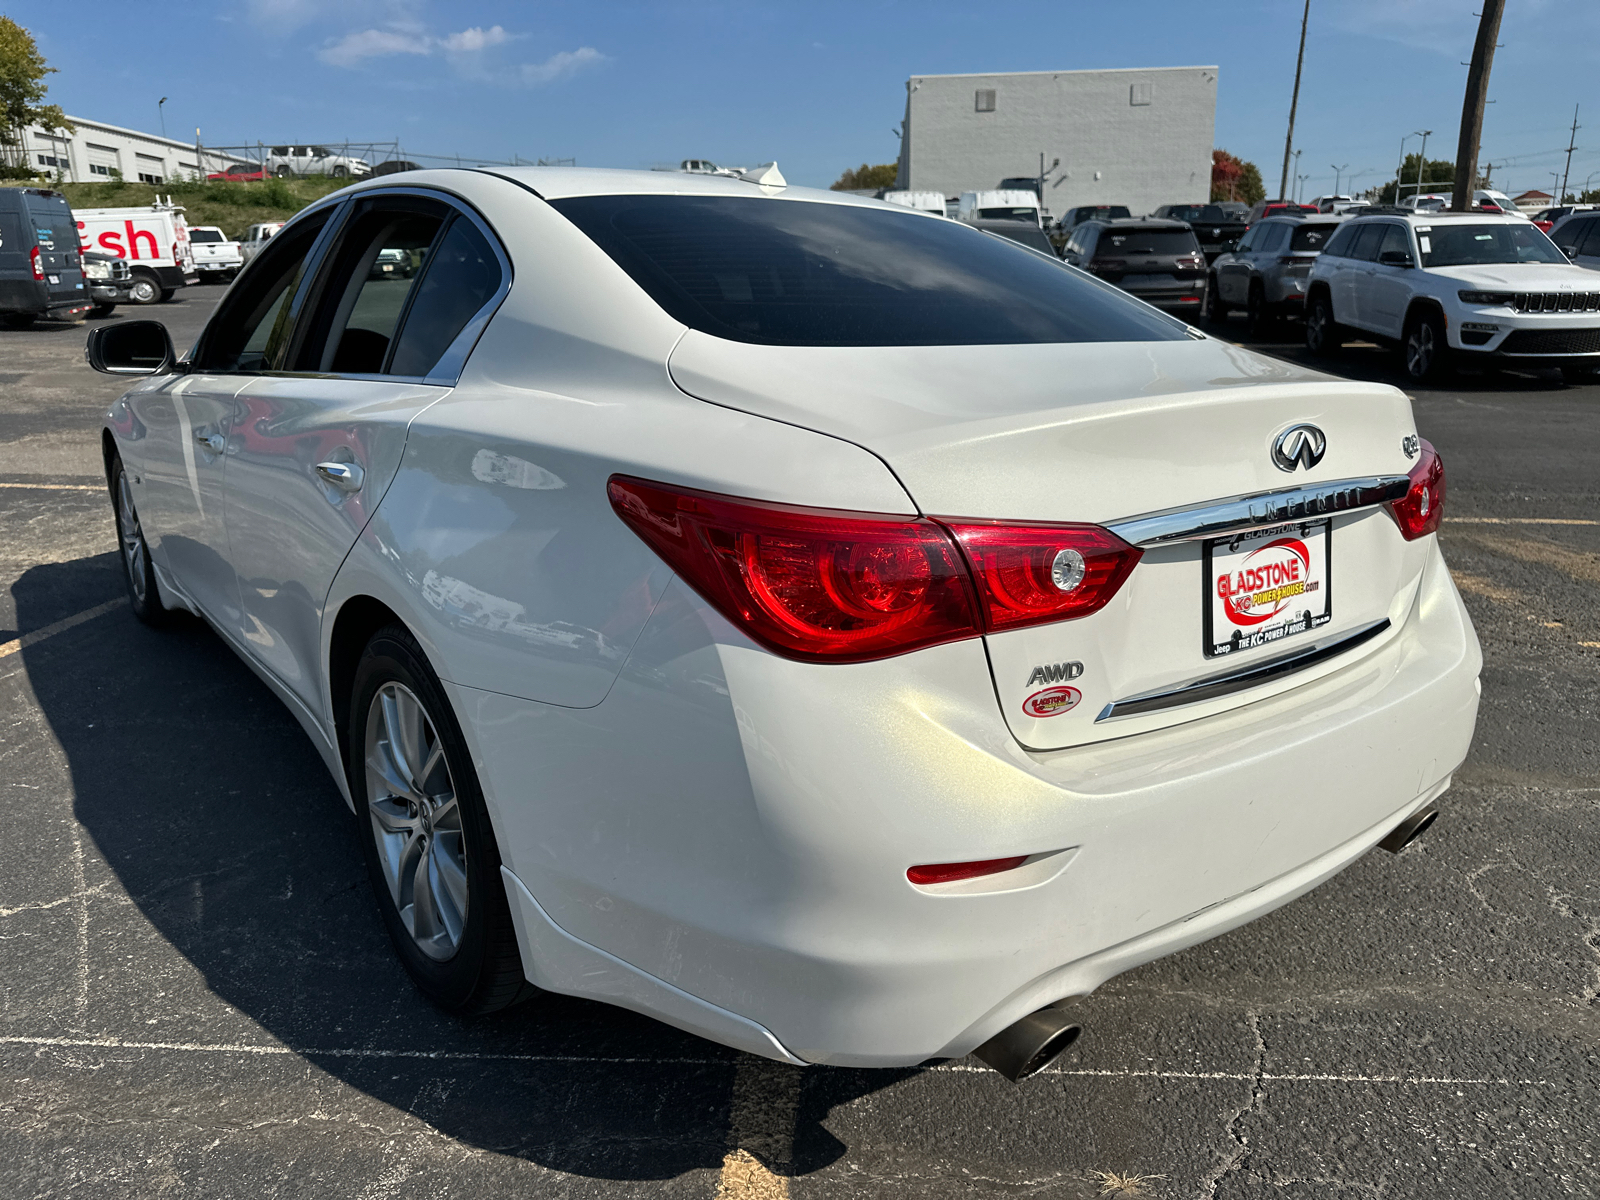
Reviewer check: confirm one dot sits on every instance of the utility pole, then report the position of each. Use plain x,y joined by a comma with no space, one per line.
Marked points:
1295,176
1294,103
1472,104
1571,146
1338,173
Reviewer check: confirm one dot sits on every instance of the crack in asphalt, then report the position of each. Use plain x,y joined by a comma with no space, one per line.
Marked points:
1234,1162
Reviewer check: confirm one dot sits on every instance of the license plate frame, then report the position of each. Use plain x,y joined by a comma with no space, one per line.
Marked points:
1295,553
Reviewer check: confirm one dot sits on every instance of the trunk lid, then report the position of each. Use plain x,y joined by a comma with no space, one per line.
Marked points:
1099,433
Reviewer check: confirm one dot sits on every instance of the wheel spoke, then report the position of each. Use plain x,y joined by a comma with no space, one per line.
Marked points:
450,876
390,774
392,818
424,915
429,766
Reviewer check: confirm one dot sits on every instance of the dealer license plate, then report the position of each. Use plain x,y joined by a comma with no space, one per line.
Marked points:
1264,586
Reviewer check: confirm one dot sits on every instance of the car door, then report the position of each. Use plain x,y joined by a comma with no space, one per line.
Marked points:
190,428
1349,282
320,441
1387,292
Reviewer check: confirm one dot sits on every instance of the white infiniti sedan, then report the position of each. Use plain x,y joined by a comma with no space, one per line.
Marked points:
824,627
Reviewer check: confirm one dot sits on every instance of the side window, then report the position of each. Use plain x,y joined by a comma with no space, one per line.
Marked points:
1396,240
1248,242
1276,234
1590,246
1367,239
1339,244
368,284
462,274
251,329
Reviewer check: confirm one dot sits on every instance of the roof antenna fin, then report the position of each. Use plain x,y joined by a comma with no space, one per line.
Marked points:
767,175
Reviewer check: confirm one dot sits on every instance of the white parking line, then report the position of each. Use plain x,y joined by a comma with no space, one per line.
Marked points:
38,635
56,487
278,1049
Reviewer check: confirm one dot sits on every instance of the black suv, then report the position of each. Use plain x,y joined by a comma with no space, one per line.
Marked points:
1158,261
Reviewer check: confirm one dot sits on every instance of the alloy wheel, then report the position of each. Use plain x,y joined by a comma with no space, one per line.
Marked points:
144,291
1420,350
416,821
131,535
1317,326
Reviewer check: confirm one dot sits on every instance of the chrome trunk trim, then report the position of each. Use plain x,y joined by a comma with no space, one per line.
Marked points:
1254,675
1239,514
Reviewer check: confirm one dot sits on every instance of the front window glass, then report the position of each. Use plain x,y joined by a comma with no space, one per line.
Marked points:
1590,246
1366,243
803,273
252,326
1395,241
1476,245
1204,214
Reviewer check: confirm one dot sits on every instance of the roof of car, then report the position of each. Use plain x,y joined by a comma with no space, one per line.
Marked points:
556,183
1142,223
1433,218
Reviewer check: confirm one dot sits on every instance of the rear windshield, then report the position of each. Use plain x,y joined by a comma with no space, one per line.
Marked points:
802,273
205,235
1308,238
1473,245
1008,214
1204,213
1106,212
1146,241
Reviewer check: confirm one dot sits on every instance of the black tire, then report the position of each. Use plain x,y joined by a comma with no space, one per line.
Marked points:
1213,310
102,310
283,172
138,572
168,294
475,968
1324,335
1424,353
21,320
1577,374
1260,318
145,290
340,171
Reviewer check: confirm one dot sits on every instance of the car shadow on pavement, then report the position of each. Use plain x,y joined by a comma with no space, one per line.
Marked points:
217,818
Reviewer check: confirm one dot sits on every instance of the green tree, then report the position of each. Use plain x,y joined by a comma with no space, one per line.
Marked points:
1438,175
881,176
22,91
1234,179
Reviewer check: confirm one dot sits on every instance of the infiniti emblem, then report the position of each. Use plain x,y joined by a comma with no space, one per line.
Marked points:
1298,446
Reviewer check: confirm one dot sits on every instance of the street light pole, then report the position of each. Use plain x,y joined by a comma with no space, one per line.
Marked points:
1422,158
162,113
1338,174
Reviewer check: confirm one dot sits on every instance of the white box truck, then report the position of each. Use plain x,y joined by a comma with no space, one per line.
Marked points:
1000,205
925,201
153,240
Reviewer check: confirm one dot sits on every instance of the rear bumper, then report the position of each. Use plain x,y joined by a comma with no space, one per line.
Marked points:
749,847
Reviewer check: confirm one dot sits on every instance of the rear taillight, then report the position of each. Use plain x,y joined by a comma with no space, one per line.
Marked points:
1032,574
952,872
809,583
38,267
831,586
1420,510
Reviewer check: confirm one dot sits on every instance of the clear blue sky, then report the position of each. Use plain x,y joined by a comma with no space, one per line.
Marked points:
819,86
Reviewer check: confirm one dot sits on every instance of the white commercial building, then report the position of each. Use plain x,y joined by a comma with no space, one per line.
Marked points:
1139,137
96,149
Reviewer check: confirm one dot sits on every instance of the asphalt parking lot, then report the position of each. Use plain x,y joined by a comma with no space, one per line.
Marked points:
197,997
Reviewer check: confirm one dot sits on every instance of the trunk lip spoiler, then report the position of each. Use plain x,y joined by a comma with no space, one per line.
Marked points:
1214,686
1258,510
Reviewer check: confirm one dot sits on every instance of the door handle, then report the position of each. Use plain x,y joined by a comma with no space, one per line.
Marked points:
213,442
347,477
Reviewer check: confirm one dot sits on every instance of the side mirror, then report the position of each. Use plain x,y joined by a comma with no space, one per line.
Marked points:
1395,258
131,348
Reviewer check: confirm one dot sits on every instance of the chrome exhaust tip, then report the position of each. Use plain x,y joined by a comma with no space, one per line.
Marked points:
1409,830
1031,1044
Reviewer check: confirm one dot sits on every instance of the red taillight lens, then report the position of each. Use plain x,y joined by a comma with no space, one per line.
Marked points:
951,872
830,586
1028,575
1420,510
38,267
809,583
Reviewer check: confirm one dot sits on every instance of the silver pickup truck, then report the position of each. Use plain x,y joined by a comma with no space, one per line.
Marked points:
216,256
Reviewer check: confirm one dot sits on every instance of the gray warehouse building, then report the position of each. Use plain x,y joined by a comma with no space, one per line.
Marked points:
1139,137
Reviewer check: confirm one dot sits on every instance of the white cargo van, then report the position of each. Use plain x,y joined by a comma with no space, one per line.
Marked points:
153,240
925,201
1005,205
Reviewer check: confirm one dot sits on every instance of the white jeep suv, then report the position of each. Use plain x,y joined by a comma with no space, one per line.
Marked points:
1464,286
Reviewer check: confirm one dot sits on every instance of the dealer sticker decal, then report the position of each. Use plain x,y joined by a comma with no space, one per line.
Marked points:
1052,702
1267,585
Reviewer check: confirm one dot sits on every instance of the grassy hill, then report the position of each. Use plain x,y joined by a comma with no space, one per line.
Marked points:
232,206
